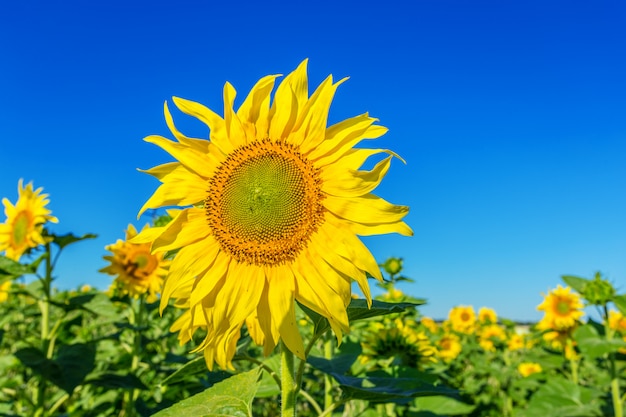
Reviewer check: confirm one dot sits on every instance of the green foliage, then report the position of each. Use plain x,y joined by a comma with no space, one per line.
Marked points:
231,397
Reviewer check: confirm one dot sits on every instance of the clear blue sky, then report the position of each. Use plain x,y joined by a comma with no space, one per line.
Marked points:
511,117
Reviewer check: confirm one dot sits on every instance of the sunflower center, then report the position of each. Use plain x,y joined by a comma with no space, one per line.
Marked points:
140,265
562,307
20,228
264,202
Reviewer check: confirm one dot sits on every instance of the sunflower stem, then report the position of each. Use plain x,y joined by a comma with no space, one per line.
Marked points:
287,382
328,383
615,393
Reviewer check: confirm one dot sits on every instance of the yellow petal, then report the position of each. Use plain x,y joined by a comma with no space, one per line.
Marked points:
254,111
203,164
282,308
234,130
356,183
187,228
215,123
200,145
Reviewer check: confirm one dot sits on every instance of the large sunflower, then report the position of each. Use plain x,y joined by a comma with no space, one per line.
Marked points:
23,227
274,203
137,271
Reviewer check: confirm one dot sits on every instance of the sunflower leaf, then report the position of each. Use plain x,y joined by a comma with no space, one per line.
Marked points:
358,310
13,269
231,397
389,389
67,239
620,303
591,343
577,283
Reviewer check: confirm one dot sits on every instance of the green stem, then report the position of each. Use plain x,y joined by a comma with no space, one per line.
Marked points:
44,307
287,385
615,393
135,320
328,383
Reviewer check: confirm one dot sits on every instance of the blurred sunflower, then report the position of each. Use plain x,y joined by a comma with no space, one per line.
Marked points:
4,291
516,342
487,316
274,203
137,270
617,321
448,347
489,335
462,319
402,342
528,368
430,324
23,227
562,309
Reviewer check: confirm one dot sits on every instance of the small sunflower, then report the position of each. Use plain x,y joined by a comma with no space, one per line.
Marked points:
487,316
4,291
489,335
448,347
462,319
516,342
430,324
272,208
401,341
617,321
23,227
562,308
528,368
137,270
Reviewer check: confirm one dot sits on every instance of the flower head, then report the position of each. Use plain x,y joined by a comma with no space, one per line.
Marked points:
272,206
617,321
430,324
4,290
462,319
401,341
489,335
562,309
137,270
528,368
449,347
23,227
487,316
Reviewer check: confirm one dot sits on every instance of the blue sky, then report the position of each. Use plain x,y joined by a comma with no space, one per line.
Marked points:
511,117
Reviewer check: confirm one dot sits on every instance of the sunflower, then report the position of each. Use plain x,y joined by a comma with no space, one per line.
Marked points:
528,368
462,319
272,206
4,291
137,270
402,342
487,316
449,347
23,227
516,342
562,309
489,335
430,324
617,321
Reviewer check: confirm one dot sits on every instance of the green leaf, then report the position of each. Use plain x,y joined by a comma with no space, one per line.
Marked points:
441,405
194,367
268,386
13,269
231,397
68,370
561,397
592,344
620,303
358,310
341,362
388,389
114,381
577,283
67,239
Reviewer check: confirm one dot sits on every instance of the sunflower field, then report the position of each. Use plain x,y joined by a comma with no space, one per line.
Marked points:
240,298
